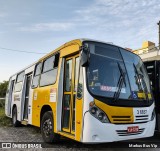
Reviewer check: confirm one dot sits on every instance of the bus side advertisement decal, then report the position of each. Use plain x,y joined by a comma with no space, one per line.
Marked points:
53,94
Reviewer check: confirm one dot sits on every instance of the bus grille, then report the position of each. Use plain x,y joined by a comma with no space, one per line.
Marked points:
121,119
141,118
125,132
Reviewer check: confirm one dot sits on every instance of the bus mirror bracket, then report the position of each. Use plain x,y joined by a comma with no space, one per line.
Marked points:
85,55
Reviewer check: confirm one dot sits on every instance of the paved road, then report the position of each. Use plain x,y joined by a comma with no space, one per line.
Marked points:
32,134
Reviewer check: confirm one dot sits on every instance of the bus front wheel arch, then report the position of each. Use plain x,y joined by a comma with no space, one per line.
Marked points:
47,128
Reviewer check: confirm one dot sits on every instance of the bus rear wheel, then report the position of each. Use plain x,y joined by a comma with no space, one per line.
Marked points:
15,122
47,128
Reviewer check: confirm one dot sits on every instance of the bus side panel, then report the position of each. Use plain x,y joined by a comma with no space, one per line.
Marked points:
36,107
43,96
17,101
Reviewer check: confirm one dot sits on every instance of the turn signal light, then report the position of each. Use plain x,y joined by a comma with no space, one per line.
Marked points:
153,115
91,103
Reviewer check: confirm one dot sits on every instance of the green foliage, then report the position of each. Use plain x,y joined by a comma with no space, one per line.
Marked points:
3,88
2,103
4,120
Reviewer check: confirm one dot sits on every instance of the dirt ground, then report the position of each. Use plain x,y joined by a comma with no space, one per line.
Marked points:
20,134
31,134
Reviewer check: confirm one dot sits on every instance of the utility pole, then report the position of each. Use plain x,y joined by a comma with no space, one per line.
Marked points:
159,33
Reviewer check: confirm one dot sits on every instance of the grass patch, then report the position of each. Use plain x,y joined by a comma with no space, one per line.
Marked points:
4,120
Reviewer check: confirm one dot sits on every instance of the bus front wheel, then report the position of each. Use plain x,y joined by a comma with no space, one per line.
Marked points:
47,128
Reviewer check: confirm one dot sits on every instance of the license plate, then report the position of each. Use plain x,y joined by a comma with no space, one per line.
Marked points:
133,129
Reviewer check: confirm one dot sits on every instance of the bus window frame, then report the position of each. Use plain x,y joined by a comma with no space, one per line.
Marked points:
50,69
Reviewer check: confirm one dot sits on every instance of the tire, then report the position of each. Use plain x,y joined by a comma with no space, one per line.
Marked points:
47,128
15,122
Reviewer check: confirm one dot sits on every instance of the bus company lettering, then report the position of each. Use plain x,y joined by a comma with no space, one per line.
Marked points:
16,98
111,89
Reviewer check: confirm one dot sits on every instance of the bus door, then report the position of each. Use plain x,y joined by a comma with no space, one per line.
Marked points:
26,100
10,92
69,94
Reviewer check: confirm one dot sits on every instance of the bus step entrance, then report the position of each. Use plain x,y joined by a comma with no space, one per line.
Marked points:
24,122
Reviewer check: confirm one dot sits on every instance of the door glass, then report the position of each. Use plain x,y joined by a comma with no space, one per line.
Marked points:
66,111
76,73
68,75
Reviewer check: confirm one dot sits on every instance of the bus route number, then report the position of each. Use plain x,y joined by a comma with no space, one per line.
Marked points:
141,112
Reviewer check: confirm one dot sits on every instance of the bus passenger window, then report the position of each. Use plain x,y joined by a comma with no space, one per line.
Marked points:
36,75
48,64
18,85
49,72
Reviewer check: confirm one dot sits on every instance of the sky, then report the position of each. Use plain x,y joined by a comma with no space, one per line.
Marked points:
40,26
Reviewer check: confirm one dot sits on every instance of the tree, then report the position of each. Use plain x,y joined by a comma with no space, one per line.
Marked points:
3,88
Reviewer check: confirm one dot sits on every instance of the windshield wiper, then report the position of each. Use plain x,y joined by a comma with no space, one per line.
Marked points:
139,76
120,83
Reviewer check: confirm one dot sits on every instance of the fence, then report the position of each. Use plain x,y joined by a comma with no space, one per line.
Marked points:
2,98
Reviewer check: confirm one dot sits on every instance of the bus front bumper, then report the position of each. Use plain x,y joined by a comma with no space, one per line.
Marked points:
95,131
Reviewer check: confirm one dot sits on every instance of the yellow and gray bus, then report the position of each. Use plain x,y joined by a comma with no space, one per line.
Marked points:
86,90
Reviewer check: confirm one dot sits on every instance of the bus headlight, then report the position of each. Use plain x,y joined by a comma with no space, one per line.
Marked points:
98,113
153,115
100,116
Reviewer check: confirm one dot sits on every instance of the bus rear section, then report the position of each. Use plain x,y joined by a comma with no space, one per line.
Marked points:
18,104
88,91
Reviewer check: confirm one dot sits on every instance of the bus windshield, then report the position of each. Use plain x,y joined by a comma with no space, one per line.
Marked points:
116,73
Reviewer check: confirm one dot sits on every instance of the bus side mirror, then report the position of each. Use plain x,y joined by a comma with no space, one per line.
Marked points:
85,55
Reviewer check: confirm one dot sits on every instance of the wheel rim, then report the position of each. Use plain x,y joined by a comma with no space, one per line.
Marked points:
47,127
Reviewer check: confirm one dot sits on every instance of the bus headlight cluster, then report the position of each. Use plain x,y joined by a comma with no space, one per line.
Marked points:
153,115
99,114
